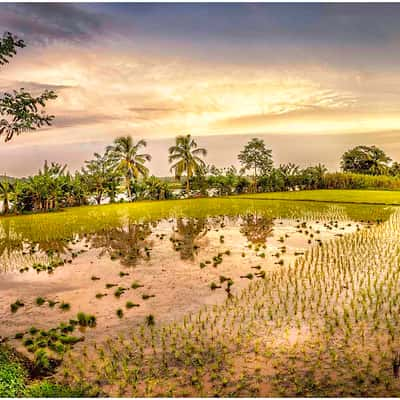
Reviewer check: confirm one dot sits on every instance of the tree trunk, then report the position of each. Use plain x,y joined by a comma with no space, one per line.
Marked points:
6,207
128,188
187,184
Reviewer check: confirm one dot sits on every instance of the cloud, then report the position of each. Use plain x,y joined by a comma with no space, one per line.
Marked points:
34,87
80,119
48,22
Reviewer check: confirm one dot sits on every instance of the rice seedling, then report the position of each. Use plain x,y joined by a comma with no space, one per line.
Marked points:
146,296
130,304
86,319
120,291
16,306
150,320
136,285
40,301
120,313
110,285
65,306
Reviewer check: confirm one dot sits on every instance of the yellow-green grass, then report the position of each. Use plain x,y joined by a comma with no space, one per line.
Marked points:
383,197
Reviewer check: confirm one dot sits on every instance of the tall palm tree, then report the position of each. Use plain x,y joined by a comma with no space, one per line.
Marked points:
185,156
128,159
6,188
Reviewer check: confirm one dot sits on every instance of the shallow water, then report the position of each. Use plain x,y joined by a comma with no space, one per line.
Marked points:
175,252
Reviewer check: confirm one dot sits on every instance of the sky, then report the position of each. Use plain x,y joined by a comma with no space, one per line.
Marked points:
312,80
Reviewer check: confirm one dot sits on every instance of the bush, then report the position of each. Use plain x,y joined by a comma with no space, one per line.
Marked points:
12,374
340,180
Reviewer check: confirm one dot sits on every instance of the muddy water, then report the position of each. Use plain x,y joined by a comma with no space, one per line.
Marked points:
174,261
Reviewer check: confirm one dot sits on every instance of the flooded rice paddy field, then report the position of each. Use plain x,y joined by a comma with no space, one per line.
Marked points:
121,263
200,271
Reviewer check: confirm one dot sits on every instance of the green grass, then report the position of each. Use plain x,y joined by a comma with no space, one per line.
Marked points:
15,381
382,197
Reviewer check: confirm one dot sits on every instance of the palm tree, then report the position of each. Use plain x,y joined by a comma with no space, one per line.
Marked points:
129,161
185,156
6,188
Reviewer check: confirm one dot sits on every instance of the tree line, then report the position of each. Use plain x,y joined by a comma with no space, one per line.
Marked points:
122,166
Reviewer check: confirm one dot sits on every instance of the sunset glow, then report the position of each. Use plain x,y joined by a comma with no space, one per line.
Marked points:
155,71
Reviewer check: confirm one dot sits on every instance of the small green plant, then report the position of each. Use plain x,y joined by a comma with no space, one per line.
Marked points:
40,301
150,320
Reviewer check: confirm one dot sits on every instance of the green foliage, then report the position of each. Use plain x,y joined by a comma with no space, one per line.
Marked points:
12,374
101,176
14,381
128,159
48,388
20,111
365,160
256,157
186,159
338,180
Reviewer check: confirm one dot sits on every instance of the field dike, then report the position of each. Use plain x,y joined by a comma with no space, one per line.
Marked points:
325,326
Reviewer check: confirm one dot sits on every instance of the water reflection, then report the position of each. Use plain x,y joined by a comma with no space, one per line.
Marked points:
257,227
186,236
10,241
127,243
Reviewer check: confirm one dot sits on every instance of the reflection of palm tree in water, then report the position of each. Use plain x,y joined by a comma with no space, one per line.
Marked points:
51,247
127,243
188,232
256,228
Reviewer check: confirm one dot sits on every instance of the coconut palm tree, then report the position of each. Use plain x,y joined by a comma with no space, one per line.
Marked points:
128,159
185,156
6,188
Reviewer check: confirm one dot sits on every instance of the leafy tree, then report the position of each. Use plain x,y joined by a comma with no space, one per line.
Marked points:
20,111
156,189
186,158
290,174
6,189
394,169
365,160
44,191
101,176
313,177
256,157
129,161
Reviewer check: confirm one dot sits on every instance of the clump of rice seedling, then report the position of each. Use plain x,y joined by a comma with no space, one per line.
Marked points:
33,330
65,306
120,313
120,291
150,320
51,303
94,278
16,306
86,319
110,285
130,304
147,296
100,295
136,285
214,286
40,301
